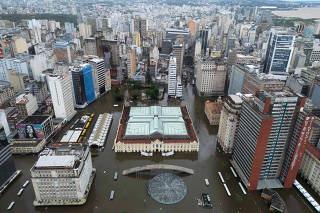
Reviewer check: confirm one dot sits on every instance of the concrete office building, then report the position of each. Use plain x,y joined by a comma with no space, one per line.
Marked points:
262,138
297,144
63,51
85,30
17,80
131,63
90,46
229,121
136,39
211,76
62,176
140,25
6,64
61,94
204,39
6,93
236,80
83,85
279,52
178,53
99,75
174,81
26,105
310,167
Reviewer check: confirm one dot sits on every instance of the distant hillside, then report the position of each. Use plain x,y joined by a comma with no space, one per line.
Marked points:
62,18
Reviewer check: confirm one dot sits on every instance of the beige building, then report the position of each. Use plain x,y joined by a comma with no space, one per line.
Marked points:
108,80
310,167
136,39
213,111
22,146
17,80
229,120
62,176
131,63
178,53
85,30
211,76
26,105
6,93
20,45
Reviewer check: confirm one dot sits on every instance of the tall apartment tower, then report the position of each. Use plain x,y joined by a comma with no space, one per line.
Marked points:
83,85
61,94
172,77
140,25
211,76
99,75
279,52
178,53
136,39
131,63
7,167
262,138
204,38
297,144
229,120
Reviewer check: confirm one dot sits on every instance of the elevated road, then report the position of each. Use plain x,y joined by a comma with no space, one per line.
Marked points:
158,167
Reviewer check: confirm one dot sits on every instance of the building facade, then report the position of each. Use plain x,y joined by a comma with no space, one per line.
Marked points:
229,121
279,52
262,138
62,176
211,77
61,95
26,105
213,111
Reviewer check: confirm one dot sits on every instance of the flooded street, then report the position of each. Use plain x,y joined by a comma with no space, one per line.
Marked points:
130,191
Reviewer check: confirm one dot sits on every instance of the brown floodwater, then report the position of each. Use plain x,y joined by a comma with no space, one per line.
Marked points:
130,191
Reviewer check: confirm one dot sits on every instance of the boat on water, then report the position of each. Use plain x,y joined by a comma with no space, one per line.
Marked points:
206,200
111,195
146,154
167,153
115,105
115,177
11,205
20,191
207,182
25,184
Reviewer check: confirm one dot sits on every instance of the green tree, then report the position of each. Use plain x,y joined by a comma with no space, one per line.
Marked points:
117,95
153,92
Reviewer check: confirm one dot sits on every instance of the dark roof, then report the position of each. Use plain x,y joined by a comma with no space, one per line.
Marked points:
35,119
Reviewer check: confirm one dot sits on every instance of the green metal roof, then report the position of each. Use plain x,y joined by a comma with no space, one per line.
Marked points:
149,120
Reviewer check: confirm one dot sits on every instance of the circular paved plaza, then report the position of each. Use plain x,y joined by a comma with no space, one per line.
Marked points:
167,188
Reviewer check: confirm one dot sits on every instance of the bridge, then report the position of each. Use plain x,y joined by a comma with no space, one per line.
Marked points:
157,167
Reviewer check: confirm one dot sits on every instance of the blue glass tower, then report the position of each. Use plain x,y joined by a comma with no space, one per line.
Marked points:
88,82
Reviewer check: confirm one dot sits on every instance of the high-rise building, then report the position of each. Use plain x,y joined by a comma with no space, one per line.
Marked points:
192,27
172,77
17,80
236,81
108,80
211,76
7,167
85,30
62,176
136,39
63,51
279,52
90,46
26,105
204,38
229,120
93,23
99,75
6,64
131,63
297,144
140,25
83,85
262,138
178,53
61,94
